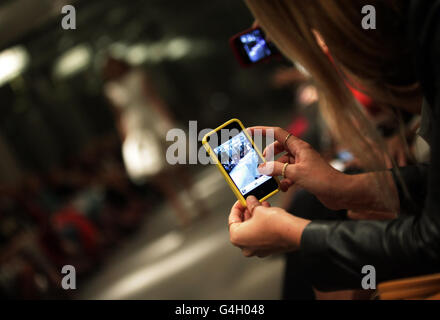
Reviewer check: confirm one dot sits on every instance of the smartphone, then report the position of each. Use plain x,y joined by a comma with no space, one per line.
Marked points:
250,47
238,158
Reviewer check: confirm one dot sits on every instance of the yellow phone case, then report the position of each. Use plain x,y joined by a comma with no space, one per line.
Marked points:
223,171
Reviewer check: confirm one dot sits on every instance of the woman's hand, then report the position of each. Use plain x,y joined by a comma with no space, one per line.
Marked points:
306,168
265,230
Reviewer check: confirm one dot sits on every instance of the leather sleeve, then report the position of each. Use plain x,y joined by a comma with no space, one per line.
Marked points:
335,252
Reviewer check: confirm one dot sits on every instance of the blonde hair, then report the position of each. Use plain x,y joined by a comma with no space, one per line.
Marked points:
373,58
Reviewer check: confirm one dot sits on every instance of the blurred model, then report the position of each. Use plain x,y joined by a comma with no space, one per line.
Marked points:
143,120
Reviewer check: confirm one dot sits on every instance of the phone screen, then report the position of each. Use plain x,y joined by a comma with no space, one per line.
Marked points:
253,47
240,160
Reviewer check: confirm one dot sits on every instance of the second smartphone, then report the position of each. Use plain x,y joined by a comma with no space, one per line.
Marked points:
251,47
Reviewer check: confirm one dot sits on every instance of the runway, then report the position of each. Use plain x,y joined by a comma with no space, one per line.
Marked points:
163,261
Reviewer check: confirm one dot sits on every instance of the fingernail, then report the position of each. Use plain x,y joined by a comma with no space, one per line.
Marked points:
262,168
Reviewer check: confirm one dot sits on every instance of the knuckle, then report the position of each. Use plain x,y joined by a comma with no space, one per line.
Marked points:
290,171
258,210
304,145
278,129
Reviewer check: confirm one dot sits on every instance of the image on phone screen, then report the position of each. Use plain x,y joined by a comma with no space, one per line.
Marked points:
240,160
255,45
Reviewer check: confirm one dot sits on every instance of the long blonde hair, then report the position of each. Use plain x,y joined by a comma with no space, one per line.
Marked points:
377,59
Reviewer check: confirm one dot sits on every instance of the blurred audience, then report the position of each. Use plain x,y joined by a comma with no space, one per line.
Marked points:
74,214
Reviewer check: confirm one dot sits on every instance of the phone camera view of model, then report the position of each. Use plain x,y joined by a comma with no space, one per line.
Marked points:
255,45
240,160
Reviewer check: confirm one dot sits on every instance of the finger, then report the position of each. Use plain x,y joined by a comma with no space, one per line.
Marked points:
247,253
280,135
247,215
236,215
275,168
286,159
285,184
283,159
266,204
273,149
252,203
284,187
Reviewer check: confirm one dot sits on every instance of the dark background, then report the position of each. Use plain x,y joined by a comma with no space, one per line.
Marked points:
64,195
45,119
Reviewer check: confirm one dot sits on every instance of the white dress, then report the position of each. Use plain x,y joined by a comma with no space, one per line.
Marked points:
144,145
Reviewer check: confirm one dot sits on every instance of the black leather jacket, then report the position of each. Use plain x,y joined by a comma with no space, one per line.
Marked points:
335,252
